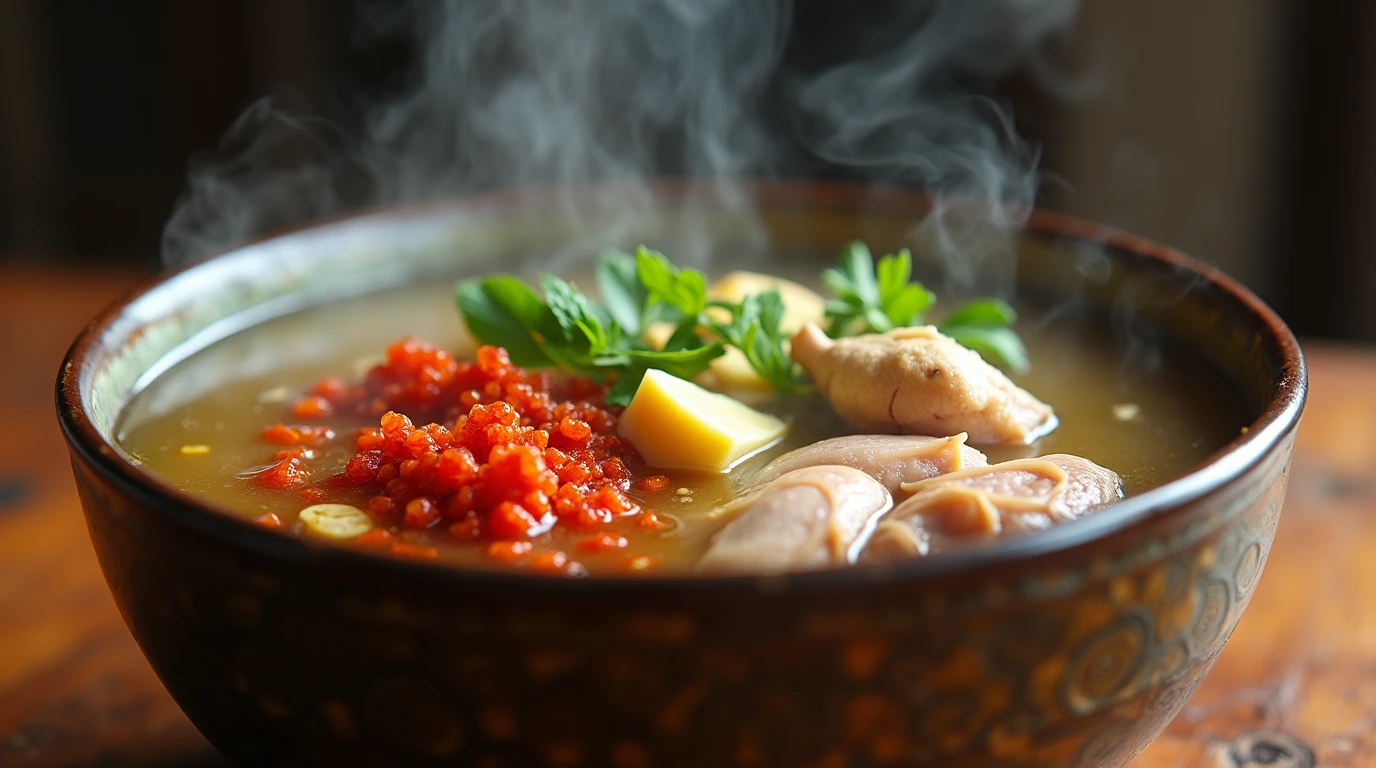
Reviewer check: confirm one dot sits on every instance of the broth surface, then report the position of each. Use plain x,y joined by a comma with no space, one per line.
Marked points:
1150,418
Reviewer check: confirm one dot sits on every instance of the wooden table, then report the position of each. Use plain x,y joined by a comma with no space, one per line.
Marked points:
1299,673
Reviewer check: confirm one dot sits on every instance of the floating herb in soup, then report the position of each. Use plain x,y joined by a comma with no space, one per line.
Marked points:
671,424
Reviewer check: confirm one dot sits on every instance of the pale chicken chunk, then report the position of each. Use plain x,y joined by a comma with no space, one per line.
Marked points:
918,381
891,459
808,518
1011,497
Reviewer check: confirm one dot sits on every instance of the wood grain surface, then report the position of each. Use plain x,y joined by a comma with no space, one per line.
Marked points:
1295,686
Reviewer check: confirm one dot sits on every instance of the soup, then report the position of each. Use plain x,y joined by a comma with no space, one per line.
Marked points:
247,425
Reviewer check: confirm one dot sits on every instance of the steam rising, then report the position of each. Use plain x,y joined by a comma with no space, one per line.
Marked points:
525,92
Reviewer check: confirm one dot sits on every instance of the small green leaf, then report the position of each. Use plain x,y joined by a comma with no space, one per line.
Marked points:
754,330
907,305
500,310
836,281
683,363
858,265
983,312
685,290
692,287
998,346
685,336
877,319
655,272
520,300
893,272
619,286
562,302
837,307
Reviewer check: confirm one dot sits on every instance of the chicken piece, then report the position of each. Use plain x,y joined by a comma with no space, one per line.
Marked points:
808,518
1015,496
891,459
917,381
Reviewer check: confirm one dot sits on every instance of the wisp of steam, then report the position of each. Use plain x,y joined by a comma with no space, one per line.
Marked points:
521,92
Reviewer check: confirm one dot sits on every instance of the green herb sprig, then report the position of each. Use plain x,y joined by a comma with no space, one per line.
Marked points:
874,296
565,328
560,326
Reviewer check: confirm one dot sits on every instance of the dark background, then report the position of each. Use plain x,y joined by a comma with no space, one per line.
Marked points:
1243,131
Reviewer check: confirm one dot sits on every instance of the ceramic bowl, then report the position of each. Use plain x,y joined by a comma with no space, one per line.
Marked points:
1071,647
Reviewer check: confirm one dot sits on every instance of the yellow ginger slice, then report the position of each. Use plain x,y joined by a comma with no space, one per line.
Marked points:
677,424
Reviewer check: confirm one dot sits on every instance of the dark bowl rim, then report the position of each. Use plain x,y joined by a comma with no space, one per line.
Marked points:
181,508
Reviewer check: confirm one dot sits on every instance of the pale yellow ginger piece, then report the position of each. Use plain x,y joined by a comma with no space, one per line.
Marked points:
732,370
677,424
194,450
336,521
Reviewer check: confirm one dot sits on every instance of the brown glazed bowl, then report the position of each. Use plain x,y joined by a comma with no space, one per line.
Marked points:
1071,647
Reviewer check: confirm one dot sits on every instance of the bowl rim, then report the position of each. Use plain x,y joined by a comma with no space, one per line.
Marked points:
184,509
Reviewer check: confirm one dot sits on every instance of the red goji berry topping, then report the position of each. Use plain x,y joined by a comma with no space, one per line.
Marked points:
652,484
603,542
510,552
297,434
416,551
286,472
375,537
313,496
313,407
479,450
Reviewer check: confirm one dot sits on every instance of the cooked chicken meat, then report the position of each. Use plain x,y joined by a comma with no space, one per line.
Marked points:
891,459
807,518
917,381
1010,497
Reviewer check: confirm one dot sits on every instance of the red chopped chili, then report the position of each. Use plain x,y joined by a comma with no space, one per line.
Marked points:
603,542
313,496
313,407
489,450
287,471
297,434
510,552
421,513
556,562
652,484
416,551
373,538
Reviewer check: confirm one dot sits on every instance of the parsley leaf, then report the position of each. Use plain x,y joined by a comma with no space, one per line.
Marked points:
1000,346
901,301
754,330
984,326
581,321
562,327
502,310
876,296
873,297
684,290
619,286
984,312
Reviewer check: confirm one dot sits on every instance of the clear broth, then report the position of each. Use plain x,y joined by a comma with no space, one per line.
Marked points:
226,395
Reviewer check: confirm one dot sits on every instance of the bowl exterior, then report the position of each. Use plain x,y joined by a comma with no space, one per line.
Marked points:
1077,658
